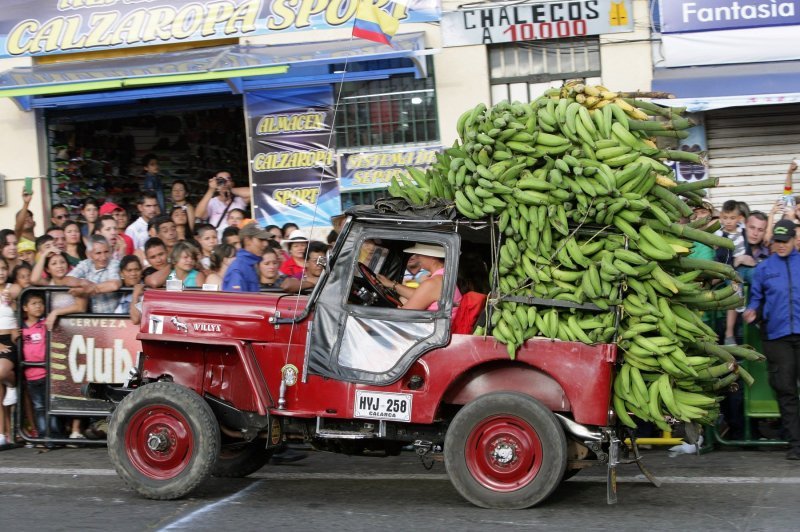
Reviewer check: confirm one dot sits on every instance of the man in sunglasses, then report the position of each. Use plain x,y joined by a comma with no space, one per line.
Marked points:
59,215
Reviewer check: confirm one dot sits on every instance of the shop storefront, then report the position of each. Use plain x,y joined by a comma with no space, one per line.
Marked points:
194,84
737,66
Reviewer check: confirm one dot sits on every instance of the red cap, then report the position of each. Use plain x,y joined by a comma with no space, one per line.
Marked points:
108,208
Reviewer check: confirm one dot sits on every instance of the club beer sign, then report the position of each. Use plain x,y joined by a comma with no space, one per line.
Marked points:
38,27
534,21
90,349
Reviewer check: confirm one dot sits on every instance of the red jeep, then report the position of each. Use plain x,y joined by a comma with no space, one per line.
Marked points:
224,378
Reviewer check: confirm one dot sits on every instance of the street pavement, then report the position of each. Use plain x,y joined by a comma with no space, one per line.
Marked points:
77,489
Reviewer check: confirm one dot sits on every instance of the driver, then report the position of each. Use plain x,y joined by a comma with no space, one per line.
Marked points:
426,296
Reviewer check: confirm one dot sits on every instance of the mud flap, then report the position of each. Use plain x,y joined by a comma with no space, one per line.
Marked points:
611,470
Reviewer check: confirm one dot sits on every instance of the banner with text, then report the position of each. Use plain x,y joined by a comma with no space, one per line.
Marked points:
536,20
374,170
310,205
683,16
39,27
89,349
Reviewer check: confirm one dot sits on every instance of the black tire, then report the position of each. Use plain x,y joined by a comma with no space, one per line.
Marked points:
505,450
238,460
163,440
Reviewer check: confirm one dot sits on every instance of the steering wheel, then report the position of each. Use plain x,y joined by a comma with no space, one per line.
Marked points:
375,285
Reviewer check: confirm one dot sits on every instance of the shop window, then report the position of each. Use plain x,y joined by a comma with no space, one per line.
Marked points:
523,70
400,110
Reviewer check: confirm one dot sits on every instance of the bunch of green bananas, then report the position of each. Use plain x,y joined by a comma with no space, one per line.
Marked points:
589,213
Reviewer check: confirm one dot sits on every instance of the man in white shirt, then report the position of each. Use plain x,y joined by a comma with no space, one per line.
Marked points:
220,198
148,209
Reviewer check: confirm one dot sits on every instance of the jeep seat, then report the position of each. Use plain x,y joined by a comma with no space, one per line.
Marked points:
467,313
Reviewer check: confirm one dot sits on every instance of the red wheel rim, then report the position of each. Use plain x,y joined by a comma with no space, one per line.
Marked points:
504,453
159,442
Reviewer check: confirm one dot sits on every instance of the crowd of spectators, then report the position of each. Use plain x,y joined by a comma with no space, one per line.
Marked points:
107,257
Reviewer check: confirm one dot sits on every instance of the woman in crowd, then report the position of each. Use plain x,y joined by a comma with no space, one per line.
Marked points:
206,238
427,295
76,249
180,216
222,257
54,263
130,271
295,246
10,253
90,212
9,330
184,259
287,229
268,275
179,195
20,279
276,231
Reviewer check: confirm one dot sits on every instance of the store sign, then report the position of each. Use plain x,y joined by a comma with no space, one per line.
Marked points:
39,27
374,170
293,155
91,349
533,21
683,16
309,205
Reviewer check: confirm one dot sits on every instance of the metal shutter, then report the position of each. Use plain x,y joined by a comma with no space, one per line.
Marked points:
749,150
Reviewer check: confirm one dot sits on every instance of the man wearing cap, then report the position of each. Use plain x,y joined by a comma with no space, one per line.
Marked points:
775,294
118,213
241,275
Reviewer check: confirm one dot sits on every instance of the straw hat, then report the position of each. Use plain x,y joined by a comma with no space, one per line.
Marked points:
429,250
296,236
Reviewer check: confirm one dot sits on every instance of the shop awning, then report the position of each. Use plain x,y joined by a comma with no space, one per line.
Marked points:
704,88
234,68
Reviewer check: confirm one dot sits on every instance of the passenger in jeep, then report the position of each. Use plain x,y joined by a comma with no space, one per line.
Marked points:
427,295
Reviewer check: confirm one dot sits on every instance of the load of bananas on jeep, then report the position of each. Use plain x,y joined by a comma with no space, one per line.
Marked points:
589,214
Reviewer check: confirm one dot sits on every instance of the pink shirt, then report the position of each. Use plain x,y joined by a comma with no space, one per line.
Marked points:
456,296
33,349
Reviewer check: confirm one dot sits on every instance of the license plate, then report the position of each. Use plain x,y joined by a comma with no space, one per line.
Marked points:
383,405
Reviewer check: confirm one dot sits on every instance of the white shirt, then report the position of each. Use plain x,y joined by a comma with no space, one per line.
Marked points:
216,208
138,233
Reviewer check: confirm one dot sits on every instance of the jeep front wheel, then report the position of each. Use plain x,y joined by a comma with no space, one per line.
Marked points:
505,450
163,440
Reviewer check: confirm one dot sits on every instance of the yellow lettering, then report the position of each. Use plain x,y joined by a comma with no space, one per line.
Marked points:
131,27
216,12
282,9
294,197
334,15
70,38
308,8
50,34
246,16
21,36
193,14
158,24
101,24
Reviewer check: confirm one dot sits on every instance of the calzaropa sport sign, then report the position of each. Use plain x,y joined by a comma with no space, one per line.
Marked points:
536,20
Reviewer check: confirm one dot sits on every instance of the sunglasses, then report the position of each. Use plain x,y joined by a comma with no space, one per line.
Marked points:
61,217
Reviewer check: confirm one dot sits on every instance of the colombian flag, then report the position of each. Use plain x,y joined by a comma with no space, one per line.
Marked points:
374,24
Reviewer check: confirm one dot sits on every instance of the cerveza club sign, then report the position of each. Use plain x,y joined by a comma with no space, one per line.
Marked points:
39,27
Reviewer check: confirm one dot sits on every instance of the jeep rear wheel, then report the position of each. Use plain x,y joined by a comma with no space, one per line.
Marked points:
241,459
163,440
505,450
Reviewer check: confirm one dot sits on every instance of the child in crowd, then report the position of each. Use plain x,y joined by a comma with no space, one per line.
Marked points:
206,236
184,259
732,221
34,343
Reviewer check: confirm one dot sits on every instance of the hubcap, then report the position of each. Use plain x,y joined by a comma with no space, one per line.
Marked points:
503,453
159,442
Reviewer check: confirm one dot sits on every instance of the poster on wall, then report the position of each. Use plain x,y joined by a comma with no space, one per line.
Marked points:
310,205
41,27
374,170
293,164
530,21
90,349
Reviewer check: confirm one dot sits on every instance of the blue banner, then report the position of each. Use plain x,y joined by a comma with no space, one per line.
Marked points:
683,16
309,205
41,27
374,170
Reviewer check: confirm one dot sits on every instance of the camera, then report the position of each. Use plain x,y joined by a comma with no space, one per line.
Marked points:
221,181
